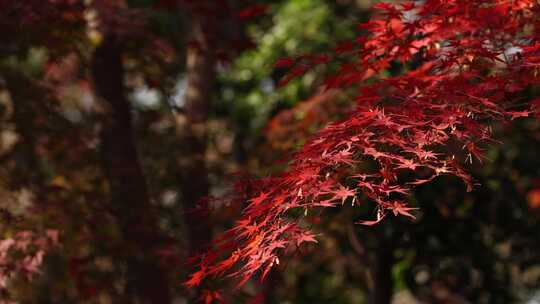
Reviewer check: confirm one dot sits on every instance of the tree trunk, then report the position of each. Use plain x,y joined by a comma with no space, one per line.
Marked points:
147,280
383,285
28,170
201,75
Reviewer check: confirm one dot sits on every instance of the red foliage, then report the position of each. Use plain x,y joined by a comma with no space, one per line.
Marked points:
23,253
291,127
473,59
253,11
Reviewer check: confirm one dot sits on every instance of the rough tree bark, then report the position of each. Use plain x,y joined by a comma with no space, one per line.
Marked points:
147,280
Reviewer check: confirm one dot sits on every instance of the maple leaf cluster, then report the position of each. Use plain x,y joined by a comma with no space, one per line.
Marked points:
469,63
22,254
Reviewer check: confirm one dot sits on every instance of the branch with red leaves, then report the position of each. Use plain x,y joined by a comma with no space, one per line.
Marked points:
473,59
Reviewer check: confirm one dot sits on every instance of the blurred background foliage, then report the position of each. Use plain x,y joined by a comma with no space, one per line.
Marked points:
477,247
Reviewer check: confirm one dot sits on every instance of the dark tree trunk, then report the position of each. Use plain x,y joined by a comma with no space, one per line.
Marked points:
383,285
28,170
201,75
147,280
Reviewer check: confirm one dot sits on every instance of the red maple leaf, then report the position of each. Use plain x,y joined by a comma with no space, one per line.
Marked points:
196,278
305,237
399,208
